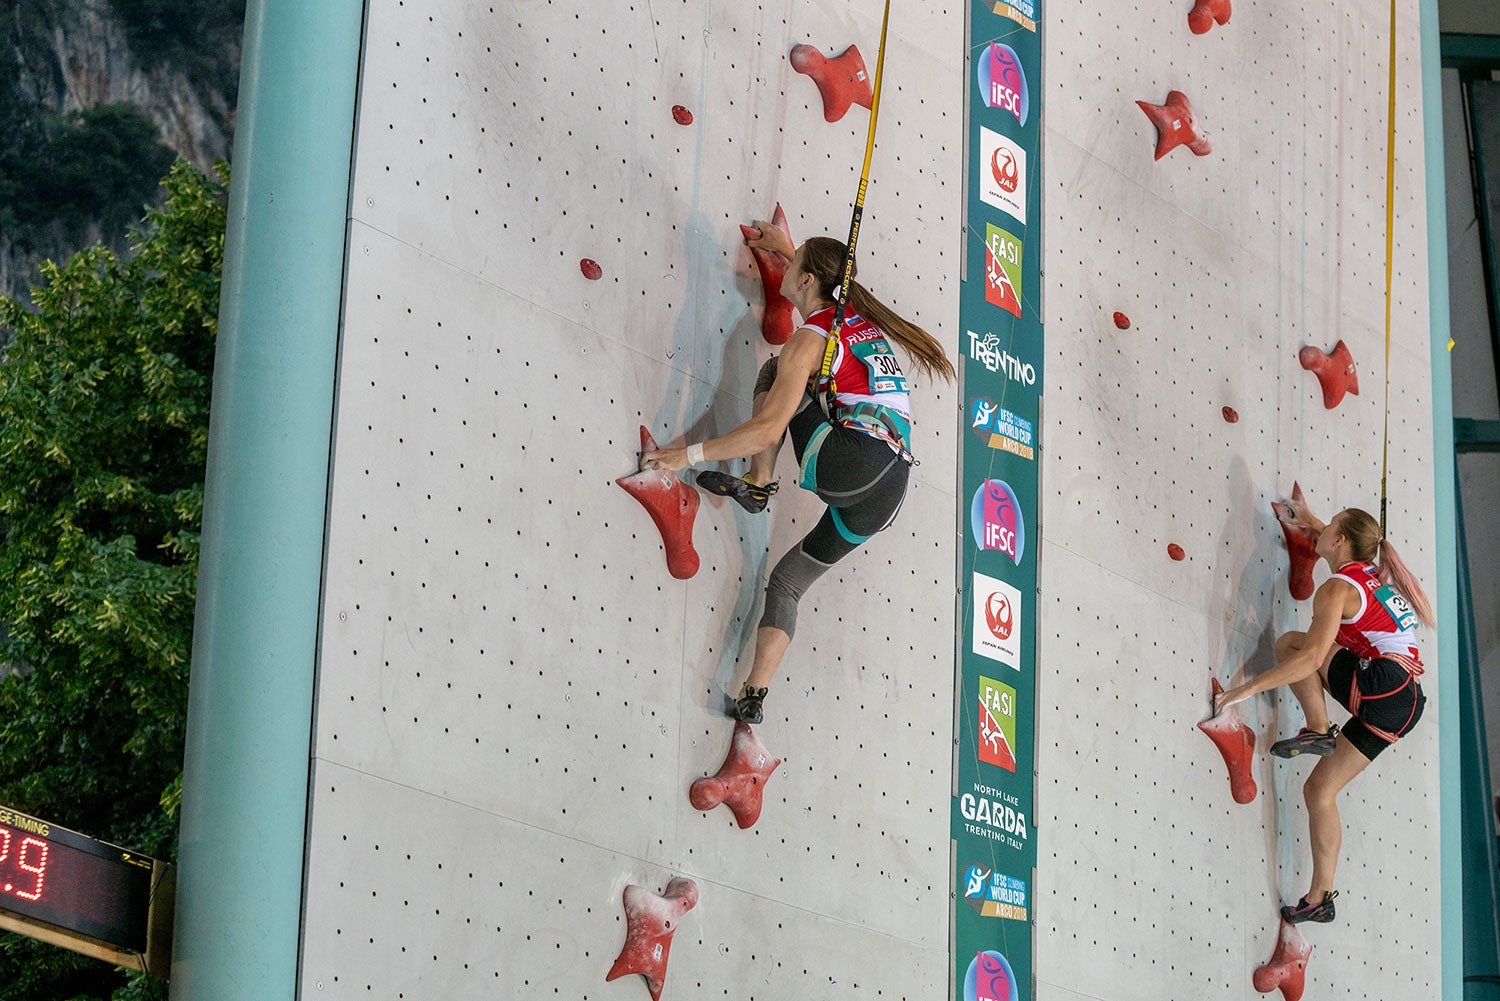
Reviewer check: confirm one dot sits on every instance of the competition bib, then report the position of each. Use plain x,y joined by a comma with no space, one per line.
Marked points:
1399,608
883,368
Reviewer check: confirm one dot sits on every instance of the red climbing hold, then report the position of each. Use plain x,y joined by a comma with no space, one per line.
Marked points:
1335,372
1205,13
740,781
1176,552
1175,126
1122,321
1287,967
841,80
591,269
1236,742
650,921
673,505
1231,415
1301,545
681,115
776,323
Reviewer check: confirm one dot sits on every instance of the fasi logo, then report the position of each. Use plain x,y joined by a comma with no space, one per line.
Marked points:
990,979
997,724
995,515
997,620
1002,269
1002,83
1002,174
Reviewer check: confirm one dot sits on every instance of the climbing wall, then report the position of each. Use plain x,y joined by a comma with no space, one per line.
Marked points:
1152,881
515,695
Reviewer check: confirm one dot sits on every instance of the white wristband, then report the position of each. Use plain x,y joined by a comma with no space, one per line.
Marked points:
695,454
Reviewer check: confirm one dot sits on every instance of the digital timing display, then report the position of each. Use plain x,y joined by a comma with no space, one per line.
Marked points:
70,880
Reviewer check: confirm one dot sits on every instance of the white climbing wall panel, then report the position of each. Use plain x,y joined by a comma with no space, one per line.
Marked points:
514,695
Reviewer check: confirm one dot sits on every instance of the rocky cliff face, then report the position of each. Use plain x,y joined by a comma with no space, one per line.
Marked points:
75,56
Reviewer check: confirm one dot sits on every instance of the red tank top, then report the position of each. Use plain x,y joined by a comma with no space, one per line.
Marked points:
865,369
1385,625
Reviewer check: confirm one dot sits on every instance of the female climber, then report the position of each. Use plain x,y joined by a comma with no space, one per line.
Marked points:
856,457
1361,647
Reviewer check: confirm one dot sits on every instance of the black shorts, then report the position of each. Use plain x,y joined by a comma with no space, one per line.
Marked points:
1383,696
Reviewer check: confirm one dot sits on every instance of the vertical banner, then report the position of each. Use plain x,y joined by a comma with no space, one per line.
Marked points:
1000,350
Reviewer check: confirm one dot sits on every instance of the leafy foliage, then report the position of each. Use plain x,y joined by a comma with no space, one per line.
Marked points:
104,396
195,36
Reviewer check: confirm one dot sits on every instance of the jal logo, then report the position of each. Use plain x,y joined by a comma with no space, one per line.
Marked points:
997,620
1002,269
997,724
995,515
990,979
1002,82
1002,174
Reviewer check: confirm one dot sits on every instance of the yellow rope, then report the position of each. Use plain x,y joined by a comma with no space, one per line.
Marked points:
1390,212
825,372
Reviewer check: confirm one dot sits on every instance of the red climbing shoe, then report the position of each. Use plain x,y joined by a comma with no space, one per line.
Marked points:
1321,912
750,496
1308,742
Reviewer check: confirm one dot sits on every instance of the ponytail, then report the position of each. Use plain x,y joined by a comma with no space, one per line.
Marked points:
823,258
1368,546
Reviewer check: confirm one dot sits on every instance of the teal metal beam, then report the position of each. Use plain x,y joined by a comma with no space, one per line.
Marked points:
244,807
1471,435
1470,52
1444,461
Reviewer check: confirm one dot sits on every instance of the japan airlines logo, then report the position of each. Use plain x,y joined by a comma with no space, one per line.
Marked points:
997,616
995,516
990,979
1002,174
1002,83
997,724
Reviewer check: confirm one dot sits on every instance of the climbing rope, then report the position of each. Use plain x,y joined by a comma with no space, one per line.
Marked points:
826,386
1390,212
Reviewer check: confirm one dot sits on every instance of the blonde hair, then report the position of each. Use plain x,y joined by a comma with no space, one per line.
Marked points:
1368,546
823,258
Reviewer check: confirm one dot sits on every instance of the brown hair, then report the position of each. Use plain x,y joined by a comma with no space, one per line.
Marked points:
1368,546
823,258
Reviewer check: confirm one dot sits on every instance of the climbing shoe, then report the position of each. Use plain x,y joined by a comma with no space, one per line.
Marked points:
1308,742
750,496
747,708
1321,912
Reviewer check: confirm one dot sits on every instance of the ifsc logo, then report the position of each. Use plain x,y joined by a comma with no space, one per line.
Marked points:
995,515
1002,82
990,979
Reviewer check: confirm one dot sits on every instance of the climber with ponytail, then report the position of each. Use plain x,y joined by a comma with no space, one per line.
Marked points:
1362,649
842,397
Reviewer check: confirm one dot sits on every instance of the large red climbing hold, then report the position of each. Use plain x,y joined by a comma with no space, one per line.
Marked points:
777,322
841,80
1335,372
673,505
1236,742
1287,967
740,781
1301,545
1175,126
1206,13
650,921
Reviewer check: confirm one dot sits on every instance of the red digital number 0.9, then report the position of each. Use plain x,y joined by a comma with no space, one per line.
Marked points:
38,866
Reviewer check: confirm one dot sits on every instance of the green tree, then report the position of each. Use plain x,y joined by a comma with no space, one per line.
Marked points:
104,395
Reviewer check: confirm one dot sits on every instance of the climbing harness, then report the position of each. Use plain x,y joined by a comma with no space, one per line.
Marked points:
1390,212
825,383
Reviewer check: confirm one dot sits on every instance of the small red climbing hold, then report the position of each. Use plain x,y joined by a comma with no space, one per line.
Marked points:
1176,552
591,269
842,80
1287,967
1205,13
681,115
1236,743
740,781
1175,126
650,921
1335,372
1122,321
1231,415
